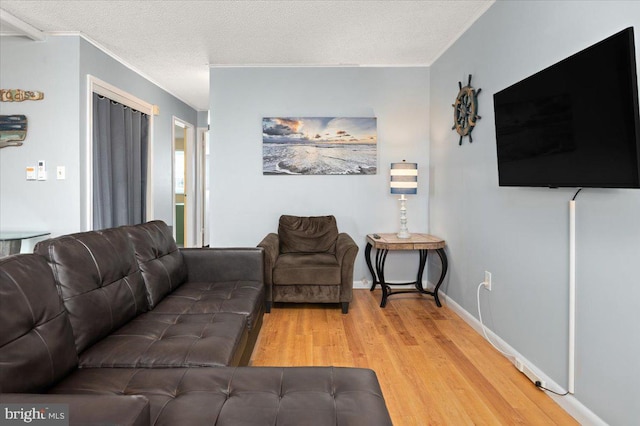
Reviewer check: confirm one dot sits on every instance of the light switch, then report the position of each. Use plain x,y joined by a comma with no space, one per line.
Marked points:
61,173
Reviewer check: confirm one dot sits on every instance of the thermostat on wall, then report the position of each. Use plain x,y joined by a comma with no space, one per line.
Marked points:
42,170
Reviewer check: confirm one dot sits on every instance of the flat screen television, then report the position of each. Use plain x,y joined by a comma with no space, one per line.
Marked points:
575,123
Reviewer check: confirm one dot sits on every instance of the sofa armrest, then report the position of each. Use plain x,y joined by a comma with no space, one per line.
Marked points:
346,252
271,246
125,410
223,264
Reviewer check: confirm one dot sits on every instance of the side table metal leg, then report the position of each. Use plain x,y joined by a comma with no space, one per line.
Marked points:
381,257
385,294
445,266
367,258
421,265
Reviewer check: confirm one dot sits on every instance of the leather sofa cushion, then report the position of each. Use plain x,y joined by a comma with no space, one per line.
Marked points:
171,340
316,234
36,342
244,395
239,297
158,257
99,281
121,410
307,269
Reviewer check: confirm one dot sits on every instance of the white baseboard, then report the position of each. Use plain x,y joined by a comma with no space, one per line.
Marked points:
361,285
568,402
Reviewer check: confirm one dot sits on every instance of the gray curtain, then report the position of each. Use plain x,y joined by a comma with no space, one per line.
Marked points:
120,143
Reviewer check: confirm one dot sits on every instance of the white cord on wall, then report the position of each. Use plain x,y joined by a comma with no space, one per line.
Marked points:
484,330
514,360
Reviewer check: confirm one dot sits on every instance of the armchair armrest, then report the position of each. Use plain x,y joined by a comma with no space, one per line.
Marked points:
346,252
346,248
124,410
223,264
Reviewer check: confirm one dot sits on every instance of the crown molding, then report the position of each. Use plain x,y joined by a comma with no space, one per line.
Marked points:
21,28
318,66
117,58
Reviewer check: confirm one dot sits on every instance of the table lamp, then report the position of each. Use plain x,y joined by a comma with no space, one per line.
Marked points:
404,180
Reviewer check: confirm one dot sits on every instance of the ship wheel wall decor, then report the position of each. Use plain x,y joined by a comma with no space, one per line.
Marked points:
465,110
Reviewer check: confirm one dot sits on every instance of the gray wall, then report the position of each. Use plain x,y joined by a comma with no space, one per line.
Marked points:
53,135
520,234
246,205
202,119
57,131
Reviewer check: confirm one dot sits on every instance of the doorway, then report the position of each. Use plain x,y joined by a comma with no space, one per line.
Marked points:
184,183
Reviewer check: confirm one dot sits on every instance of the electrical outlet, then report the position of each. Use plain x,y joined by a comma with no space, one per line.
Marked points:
487,280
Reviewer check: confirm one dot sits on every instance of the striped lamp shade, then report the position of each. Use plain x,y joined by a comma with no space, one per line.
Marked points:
404,178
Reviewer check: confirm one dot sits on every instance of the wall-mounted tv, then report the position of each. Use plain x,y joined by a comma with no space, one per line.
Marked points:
575,123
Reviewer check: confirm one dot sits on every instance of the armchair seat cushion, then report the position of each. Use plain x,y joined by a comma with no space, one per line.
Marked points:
307,269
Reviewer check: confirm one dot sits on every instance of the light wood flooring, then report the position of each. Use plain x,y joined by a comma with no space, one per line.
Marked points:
433,368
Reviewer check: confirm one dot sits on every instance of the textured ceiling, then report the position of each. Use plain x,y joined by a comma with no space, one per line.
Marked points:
174,42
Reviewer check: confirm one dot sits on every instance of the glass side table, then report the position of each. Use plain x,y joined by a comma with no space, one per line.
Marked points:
11,241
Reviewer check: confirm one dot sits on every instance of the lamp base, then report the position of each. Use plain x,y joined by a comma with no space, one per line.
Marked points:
404,231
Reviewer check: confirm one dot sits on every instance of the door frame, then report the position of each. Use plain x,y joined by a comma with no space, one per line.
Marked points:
202,196
190,237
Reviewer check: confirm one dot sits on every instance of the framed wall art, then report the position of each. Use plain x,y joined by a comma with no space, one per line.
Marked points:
13,130
319,146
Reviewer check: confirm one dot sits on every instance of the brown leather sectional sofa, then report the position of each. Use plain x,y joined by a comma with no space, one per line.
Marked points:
128,329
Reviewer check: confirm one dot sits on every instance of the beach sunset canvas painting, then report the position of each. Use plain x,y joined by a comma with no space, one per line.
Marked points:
319,146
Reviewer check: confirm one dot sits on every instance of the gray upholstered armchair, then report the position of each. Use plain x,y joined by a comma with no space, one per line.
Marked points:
308,261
